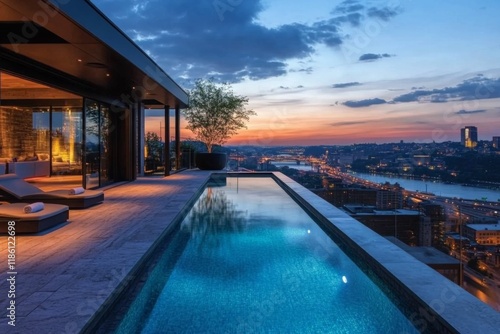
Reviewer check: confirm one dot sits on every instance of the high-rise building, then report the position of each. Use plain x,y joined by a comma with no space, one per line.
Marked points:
390,197
468,136
496,142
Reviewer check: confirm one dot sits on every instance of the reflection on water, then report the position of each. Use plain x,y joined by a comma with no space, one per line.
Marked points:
437,188
212,217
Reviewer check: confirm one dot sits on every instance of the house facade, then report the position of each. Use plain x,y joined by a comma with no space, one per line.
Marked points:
73,90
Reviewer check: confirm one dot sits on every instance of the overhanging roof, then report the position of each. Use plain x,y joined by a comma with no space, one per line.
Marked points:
77,40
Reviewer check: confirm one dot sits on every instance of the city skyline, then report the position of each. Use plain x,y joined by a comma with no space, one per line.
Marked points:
333,73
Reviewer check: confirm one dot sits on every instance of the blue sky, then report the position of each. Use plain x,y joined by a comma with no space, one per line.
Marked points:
332,72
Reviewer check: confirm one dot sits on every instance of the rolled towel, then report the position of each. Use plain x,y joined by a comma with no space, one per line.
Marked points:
76,191
34,207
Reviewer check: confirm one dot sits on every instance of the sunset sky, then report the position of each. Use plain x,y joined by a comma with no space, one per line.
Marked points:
332,72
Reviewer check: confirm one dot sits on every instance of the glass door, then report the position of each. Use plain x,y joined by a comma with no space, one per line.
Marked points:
92,145
66,132
107,146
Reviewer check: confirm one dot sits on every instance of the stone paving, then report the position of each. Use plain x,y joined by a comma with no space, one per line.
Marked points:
65,274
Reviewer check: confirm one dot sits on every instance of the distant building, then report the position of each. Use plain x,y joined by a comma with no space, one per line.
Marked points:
496,142
404,224
340,196
456,241
468,136
483,234
444,264
437,217
421,159
390,197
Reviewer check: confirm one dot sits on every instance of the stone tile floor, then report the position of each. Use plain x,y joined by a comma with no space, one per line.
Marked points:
65,274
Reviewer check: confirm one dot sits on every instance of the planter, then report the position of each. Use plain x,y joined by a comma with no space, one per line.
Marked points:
211,161
187,158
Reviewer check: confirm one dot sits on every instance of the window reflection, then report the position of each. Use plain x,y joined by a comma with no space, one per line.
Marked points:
106,145
66,141
92,156
24,133
173,160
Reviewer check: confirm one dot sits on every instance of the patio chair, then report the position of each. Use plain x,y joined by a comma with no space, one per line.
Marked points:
51,215
15,189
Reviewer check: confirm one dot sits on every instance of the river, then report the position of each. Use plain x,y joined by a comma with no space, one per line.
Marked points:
436,187
292,164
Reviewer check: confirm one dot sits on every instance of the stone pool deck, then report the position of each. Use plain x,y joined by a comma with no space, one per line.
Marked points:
64,275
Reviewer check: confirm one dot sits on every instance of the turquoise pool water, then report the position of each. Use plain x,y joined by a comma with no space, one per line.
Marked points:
248,259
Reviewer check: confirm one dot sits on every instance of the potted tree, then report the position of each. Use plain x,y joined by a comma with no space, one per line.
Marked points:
215,113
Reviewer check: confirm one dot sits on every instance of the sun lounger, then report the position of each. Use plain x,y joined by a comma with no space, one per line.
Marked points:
51,215
15,189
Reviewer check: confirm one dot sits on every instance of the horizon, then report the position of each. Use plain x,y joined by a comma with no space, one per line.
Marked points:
338,72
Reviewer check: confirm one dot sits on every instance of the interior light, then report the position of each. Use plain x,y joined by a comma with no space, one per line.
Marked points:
79,60
308,231
107,74
344,279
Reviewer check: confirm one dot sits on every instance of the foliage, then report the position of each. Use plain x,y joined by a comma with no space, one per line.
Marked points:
215,113
212,218
154,146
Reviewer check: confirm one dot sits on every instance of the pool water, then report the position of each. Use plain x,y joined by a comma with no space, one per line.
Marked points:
248,259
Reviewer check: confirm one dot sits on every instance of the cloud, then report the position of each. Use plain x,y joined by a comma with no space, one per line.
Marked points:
364,103
346,84
286,102
348,6
478,87
347,123
373,56
384,13
307,70
465,112
224,39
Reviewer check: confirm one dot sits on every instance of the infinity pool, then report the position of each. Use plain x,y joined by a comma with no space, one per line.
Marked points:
248,259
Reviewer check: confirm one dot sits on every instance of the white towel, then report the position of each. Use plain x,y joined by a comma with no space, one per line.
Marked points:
34,207
76,191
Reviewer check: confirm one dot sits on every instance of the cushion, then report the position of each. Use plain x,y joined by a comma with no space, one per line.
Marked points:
42,156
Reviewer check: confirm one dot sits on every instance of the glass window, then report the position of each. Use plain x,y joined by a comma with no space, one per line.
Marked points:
41,129
42,124
66,141
92,144
24,133
106,145
172,140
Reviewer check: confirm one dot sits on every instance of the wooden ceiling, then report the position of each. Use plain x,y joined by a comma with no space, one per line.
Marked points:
84,48
16,88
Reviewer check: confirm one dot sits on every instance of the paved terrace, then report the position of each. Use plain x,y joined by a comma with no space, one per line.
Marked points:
65,275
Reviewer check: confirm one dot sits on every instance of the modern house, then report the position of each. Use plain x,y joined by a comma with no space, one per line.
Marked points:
73,94
73,90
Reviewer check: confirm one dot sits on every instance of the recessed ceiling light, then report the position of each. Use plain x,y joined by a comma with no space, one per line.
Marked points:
80,60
